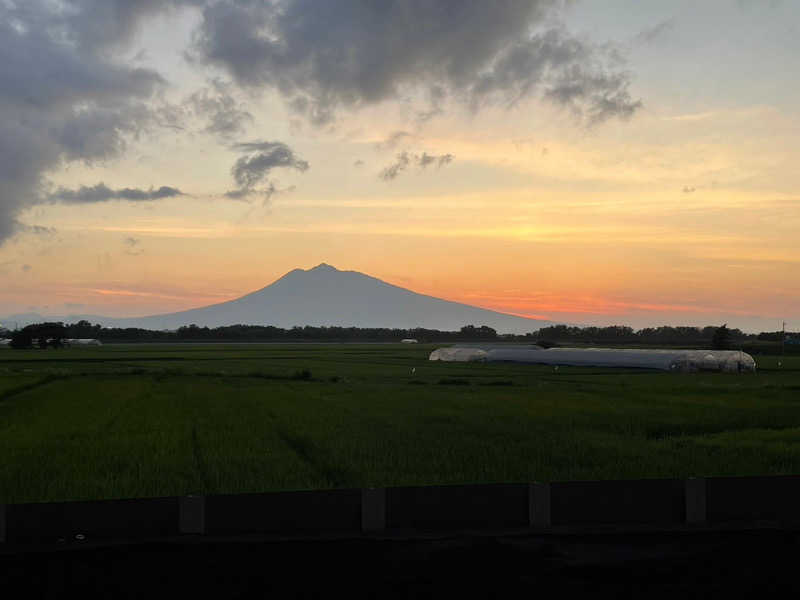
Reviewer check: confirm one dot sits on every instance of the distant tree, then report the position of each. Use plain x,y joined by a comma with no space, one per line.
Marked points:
47,334
83,329
470,332
21,339
721,339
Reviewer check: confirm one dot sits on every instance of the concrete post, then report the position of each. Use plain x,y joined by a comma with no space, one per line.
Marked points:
192,514
695,492
539,513
373,509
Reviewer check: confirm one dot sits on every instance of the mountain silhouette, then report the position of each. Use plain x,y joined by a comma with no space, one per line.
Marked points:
326,296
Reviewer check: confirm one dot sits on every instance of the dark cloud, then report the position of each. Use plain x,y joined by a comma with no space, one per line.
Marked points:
393,140
406,159
323,56
397,167
262,157
102,193
225,116
439,160
246,194
132,242
64,96
259,159
102,25
658,30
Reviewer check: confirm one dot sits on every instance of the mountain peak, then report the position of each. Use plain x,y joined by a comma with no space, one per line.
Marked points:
326,296
323,267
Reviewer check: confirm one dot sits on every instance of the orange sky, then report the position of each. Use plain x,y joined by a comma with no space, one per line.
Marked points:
685,213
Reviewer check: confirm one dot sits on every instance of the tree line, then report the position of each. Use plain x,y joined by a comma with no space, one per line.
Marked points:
53,334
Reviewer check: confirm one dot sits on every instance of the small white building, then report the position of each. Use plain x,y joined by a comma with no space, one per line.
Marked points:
408,341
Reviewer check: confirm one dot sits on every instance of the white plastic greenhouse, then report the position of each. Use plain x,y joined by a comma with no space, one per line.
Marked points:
458,354
728,361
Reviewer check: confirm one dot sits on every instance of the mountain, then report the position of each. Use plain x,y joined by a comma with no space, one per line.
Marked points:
325,295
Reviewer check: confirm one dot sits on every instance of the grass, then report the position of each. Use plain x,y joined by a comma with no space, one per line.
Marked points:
153,420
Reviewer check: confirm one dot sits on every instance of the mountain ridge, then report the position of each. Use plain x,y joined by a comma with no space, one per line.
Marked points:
326,296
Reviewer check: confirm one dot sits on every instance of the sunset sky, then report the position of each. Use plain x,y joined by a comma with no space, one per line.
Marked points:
617,162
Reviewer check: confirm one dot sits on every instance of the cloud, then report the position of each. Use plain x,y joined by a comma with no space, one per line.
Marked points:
393,140
651,34
405,159
225,116
64,96
326,56
397,167
36,229
101,25
133,246
439,160
102,193
259,159
688,190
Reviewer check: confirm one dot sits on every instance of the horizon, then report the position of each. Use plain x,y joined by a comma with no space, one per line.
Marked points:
323,266
624,163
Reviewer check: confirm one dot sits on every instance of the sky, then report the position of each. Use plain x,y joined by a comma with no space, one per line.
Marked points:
620,162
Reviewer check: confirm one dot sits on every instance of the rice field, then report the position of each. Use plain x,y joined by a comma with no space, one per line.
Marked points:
156,420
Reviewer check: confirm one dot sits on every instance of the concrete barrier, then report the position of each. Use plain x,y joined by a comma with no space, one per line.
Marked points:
540,505
695,501
775,498
312,511
458,507
603,502
373,509
94,520
192,514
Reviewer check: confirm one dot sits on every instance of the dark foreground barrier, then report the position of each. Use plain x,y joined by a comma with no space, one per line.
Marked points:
143,518
457,507
655,501
538,506
284,512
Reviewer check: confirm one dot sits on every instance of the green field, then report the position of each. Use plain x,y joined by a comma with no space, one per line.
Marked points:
150,420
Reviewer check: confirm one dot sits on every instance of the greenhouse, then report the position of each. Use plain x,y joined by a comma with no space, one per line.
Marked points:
459,354
687,361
